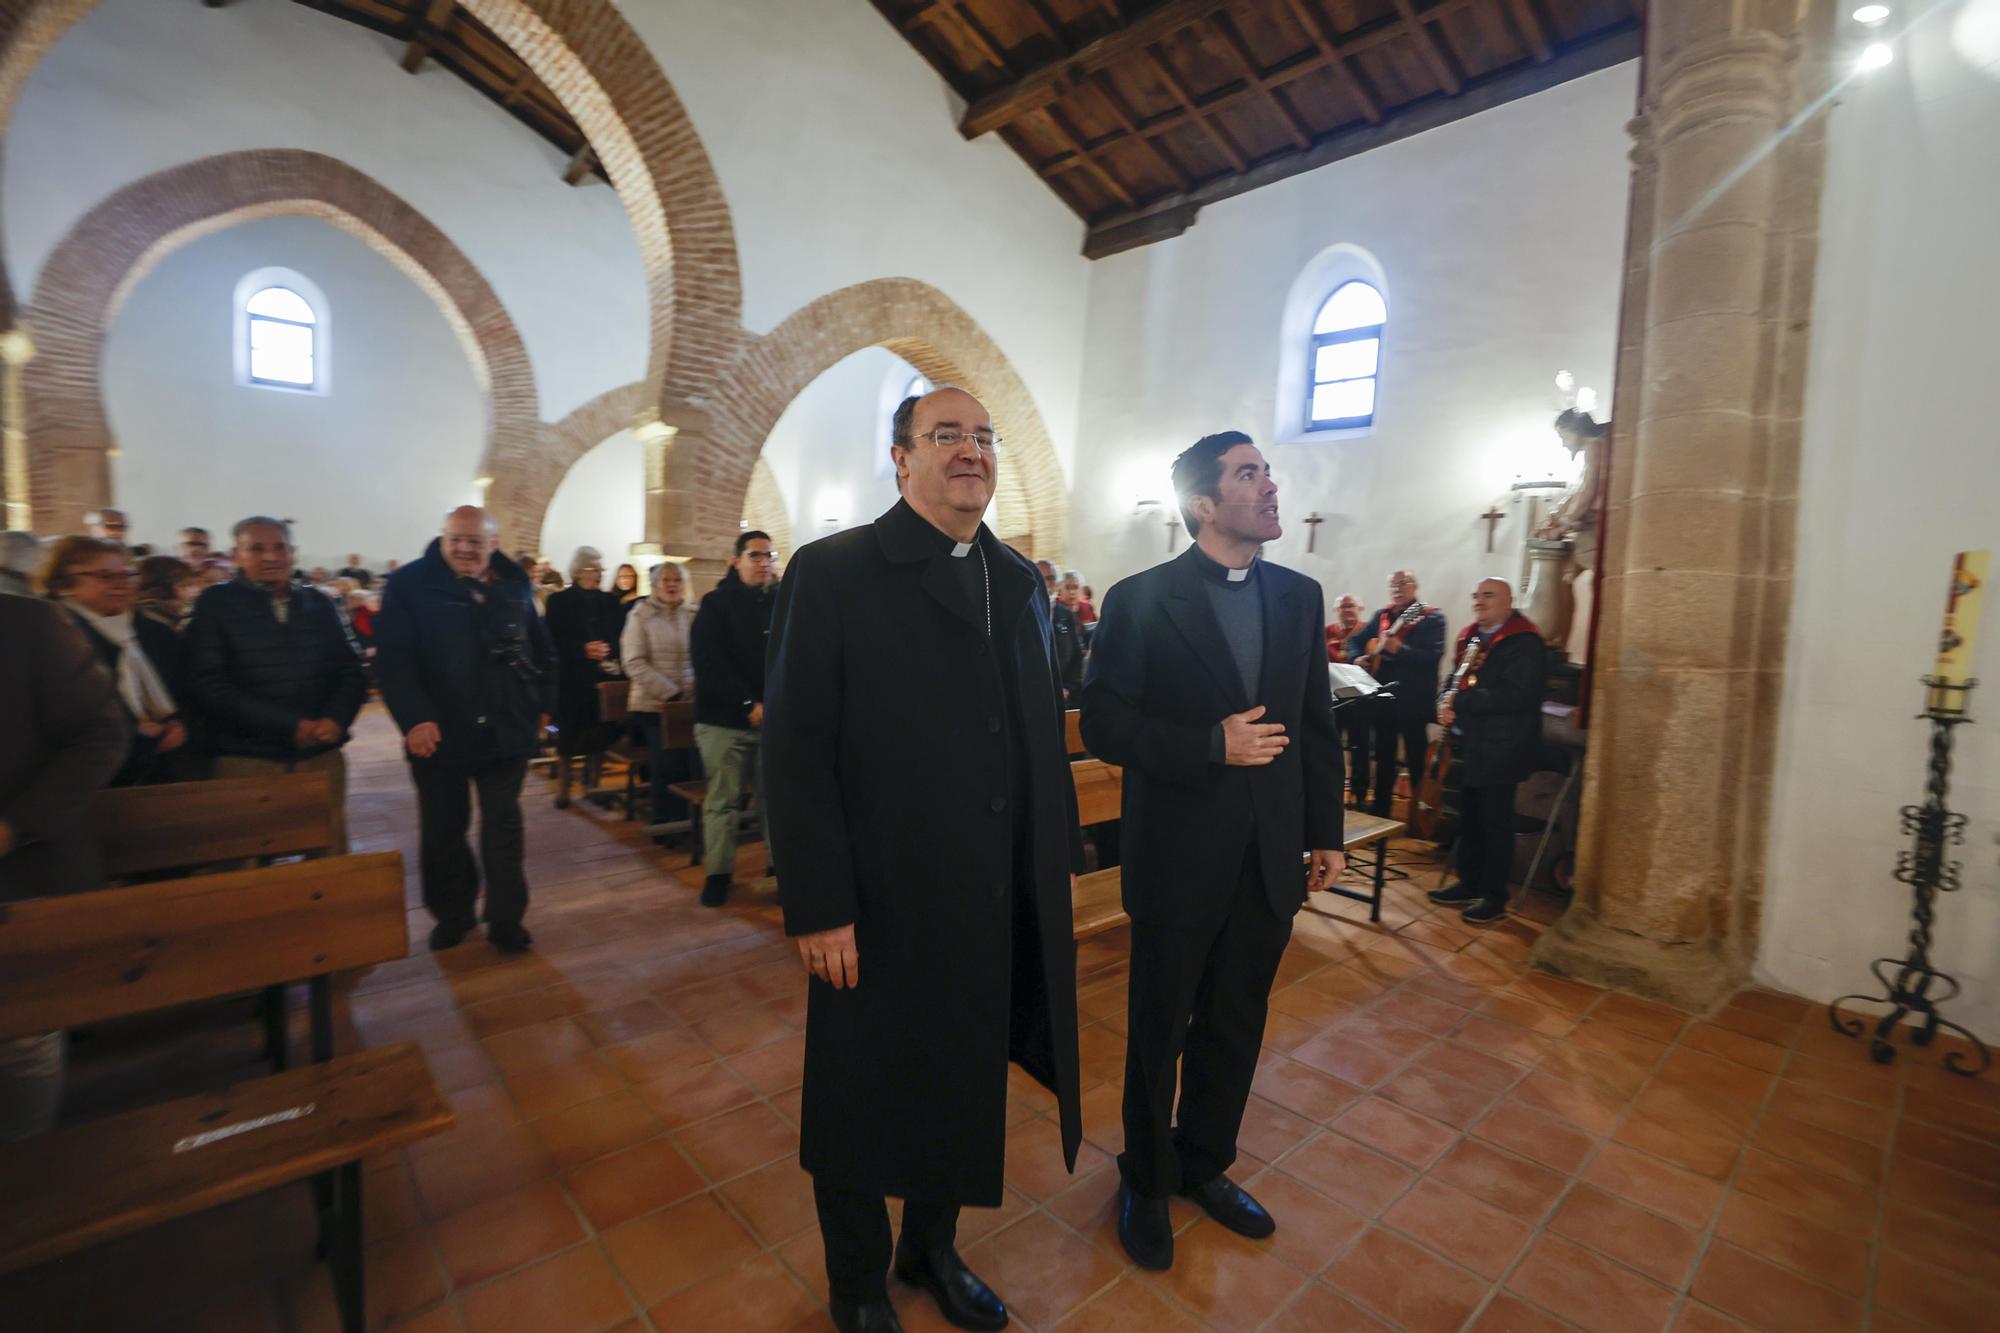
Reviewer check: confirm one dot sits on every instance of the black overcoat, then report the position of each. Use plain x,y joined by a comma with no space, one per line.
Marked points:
887,787
1160,681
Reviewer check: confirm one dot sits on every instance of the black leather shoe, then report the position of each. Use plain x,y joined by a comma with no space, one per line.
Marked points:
715,891
1231,1205
1144,1229
1483,913
1453,895
961,1297
509,936
874,1317
448,934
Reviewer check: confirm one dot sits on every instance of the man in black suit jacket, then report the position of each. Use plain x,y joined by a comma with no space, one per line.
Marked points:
1208,685
1408,668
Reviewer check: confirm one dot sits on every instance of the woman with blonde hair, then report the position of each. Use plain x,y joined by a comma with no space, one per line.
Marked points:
93,578
625,587
654,649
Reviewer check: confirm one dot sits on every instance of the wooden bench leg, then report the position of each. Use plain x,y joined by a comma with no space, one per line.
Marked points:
562,782
345,1256
275,1043
1381,873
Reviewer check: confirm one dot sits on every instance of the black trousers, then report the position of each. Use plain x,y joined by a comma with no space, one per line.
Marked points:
1393,726
1354,738
444,811
1486,840
855,1229
1197,999
665,766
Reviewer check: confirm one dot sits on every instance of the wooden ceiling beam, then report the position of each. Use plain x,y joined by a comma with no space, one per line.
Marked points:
1168,216
1122,112
1042,85
427,27
1532,30
582,163
1090,163
1246,65
1190,110
1321,32
1431,47
989,48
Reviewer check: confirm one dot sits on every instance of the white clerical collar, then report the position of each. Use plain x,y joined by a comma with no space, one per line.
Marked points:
960,550
1238,575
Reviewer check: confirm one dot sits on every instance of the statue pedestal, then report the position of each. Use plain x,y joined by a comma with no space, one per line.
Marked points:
1547,600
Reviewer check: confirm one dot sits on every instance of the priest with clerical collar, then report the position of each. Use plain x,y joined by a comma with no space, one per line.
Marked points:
1208,685
918,796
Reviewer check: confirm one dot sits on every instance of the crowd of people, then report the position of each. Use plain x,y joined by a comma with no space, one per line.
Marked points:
893,705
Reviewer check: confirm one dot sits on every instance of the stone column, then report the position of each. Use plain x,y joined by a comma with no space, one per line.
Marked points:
1696,567
16,350
672,484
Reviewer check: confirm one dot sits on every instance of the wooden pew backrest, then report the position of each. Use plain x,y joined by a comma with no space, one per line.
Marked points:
1100,791
143,830
89,957
611,697
1073,733
677,725
107,1178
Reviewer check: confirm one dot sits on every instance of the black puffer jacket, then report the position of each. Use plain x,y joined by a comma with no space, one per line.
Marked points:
727,644
251,678
480,667
1500,717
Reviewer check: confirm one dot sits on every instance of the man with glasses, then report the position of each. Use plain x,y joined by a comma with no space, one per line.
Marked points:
467,671
727,644
107,525
194,546
274,676
919,799
1405,645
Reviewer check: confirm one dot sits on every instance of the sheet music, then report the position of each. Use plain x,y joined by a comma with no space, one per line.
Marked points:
1351,682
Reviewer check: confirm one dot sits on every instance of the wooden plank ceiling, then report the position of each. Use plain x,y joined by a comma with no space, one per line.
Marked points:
439,31
1138,112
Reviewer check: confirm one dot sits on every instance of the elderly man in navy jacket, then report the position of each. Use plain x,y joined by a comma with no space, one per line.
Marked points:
272,673
468,673
1208,685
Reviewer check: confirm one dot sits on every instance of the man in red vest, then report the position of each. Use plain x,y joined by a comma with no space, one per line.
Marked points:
1491,708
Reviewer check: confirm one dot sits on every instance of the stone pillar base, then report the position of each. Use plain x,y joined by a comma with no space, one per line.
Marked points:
1694,976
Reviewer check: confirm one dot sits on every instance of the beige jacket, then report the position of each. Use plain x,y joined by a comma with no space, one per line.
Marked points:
654,652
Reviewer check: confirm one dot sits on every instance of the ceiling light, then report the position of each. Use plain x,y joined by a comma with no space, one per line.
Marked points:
1871,14
1876,55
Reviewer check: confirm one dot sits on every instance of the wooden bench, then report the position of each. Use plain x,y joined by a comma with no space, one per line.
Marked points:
1073,733
1098,906
180,827
90,957
184,825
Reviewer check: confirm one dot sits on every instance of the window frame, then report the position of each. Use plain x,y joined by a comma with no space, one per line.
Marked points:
1359,333
254,284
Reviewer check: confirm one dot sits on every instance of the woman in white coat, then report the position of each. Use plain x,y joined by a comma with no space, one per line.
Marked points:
654,651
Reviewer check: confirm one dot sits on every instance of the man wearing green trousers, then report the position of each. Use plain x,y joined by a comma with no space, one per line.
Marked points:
727,644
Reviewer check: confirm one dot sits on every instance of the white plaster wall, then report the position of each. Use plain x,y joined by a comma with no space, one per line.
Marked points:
601,502
827,450
1902,469
1500,237
838,149
370,466
141,85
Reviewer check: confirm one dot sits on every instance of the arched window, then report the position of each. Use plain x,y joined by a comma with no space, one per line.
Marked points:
1346,358
281,332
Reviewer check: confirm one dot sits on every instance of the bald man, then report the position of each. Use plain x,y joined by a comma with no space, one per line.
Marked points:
1492,708
468,673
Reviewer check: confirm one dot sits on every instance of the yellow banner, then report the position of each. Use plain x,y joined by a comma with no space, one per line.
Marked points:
1960,637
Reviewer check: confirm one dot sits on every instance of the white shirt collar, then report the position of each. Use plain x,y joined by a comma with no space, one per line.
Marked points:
960,550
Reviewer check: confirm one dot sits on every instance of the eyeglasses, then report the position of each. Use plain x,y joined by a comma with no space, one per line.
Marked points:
946,438
760,557
108,575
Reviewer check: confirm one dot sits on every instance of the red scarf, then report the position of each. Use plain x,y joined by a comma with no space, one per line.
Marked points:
1515,623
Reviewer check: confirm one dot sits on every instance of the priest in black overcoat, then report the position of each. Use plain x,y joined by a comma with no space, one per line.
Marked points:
918,796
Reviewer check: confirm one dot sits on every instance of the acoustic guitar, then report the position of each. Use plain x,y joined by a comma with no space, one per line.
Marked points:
1431,816
1371,660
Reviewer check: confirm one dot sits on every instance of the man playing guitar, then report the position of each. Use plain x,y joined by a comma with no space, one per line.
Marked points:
1492,711
1406,645
1346,642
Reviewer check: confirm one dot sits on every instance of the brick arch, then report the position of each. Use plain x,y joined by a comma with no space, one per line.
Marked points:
926,328
103,257
607,79
764,508
520,499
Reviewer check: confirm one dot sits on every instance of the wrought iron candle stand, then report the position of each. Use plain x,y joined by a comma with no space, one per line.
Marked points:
1908,983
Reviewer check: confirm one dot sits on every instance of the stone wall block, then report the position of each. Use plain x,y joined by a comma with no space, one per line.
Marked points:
1715,268
1692,532
1699,363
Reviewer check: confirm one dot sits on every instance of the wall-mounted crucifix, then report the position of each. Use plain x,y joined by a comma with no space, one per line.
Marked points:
1173,527
1492,517
1313,520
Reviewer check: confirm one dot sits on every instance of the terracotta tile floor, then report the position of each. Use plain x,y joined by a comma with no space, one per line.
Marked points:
1447,1141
